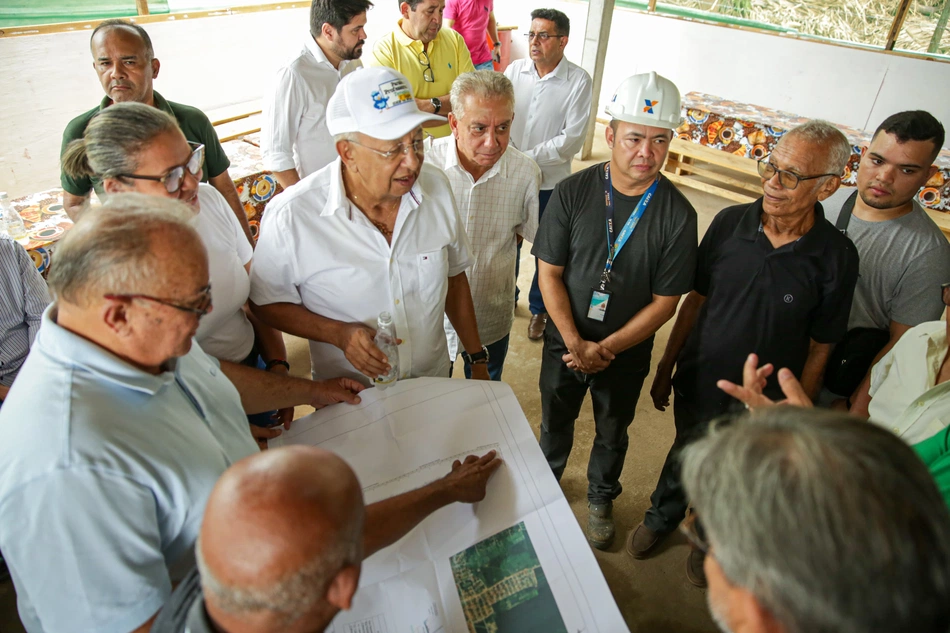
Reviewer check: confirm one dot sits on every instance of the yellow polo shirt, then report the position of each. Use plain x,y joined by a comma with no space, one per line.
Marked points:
448,56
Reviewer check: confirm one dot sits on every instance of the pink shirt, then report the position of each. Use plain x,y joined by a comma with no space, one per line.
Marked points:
471,21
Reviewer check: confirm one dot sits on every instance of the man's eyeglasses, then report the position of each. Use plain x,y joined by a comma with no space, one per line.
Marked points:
427,71
945,293
399,151
692,529
787,179
544,37
176,175
201,308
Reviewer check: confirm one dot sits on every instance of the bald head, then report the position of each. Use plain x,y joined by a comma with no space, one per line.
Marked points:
280,543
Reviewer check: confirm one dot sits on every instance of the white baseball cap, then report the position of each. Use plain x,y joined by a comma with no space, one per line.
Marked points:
378,102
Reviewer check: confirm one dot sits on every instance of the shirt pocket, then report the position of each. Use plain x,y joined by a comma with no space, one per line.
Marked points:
433,267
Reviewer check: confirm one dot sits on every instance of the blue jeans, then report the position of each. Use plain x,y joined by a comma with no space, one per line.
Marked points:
496,359
535,302
485,66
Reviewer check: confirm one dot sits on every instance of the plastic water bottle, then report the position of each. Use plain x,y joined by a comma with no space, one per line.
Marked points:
386,342
12,222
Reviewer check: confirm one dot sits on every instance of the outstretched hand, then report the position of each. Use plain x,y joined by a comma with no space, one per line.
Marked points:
327,392
753,382
469,478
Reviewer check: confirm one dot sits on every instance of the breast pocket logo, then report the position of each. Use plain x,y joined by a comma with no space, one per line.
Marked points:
789,298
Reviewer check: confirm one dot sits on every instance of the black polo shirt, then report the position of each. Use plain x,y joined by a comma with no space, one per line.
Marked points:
659,258
770,301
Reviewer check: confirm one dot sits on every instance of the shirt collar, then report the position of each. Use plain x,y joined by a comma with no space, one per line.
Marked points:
407,41
814,241
158,99
338,204
318,53
68,348
561,71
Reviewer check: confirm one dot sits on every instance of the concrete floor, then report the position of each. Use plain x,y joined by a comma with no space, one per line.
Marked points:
653,595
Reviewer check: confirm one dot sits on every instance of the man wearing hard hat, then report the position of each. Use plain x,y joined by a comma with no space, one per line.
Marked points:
616,249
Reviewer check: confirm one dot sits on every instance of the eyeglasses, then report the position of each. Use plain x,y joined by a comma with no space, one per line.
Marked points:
691,528
202,307
427,71
176,175
399,151
787,179
544,37
946,295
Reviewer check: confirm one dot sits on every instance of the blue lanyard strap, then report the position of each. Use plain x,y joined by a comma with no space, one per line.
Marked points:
614,246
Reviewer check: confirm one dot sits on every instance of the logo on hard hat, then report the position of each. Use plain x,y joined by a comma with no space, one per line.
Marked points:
648,108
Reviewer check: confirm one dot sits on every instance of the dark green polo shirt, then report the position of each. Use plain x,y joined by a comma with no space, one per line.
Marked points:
194,125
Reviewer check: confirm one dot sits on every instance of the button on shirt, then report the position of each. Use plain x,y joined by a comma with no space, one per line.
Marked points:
294,132
102,494
905,396
448,57
762,299
551,115
23,297
495,210
318,250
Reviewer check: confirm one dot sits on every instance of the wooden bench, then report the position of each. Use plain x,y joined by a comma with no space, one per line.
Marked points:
236,121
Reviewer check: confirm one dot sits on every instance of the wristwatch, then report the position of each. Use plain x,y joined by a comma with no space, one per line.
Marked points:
437,104
497,44
478,358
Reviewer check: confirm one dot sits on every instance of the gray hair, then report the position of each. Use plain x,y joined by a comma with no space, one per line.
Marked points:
828,136
833,523
481,84
352,137
109,250
294,594
113,139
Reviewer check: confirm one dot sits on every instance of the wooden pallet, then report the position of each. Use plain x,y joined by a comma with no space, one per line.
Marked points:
713,171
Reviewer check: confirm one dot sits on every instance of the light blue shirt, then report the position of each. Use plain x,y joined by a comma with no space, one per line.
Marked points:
104,474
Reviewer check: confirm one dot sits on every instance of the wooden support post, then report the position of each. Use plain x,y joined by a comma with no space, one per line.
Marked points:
897,25
651,7
600,13
141,6
938,31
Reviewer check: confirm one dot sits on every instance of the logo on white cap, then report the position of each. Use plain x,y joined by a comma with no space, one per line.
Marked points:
392,93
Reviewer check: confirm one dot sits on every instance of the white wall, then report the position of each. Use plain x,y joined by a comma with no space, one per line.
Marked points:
214,62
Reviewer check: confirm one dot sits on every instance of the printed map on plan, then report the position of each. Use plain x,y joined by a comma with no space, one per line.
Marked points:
517,562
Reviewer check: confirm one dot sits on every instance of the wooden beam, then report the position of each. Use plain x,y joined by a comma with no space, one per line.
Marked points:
652,6
897,24
687,181
141,6
600,14
678,167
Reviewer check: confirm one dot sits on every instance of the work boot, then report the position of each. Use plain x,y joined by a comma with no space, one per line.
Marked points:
536,326
695,572
642,541
600,524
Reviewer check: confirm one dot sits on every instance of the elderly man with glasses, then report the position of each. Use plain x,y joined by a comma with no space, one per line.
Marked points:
772,277
429,56
375,231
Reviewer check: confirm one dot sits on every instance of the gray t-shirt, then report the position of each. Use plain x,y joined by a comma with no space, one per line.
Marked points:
903,263
659,258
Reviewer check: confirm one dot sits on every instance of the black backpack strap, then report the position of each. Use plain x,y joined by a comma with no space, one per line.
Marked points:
844,216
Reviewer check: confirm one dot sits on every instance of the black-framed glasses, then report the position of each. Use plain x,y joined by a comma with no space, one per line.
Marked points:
945,293
543,36
399,151
787,179
201,308
427,71
692,529
176,175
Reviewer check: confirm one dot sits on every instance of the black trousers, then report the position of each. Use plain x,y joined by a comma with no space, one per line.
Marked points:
668,501
614,393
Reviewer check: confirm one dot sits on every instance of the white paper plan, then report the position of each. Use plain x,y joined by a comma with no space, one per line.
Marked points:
516,562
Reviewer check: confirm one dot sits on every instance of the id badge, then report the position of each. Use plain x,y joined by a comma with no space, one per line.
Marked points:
598,305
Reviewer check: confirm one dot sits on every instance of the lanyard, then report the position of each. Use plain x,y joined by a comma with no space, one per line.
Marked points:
614,246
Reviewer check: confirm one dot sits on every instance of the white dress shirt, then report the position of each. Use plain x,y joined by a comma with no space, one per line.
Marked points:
495,210
318,250
551,115
905,396
294,132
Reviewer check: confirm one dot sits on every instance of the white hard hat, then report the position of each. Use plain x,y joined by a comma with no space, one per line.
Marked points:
647,99
376,101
